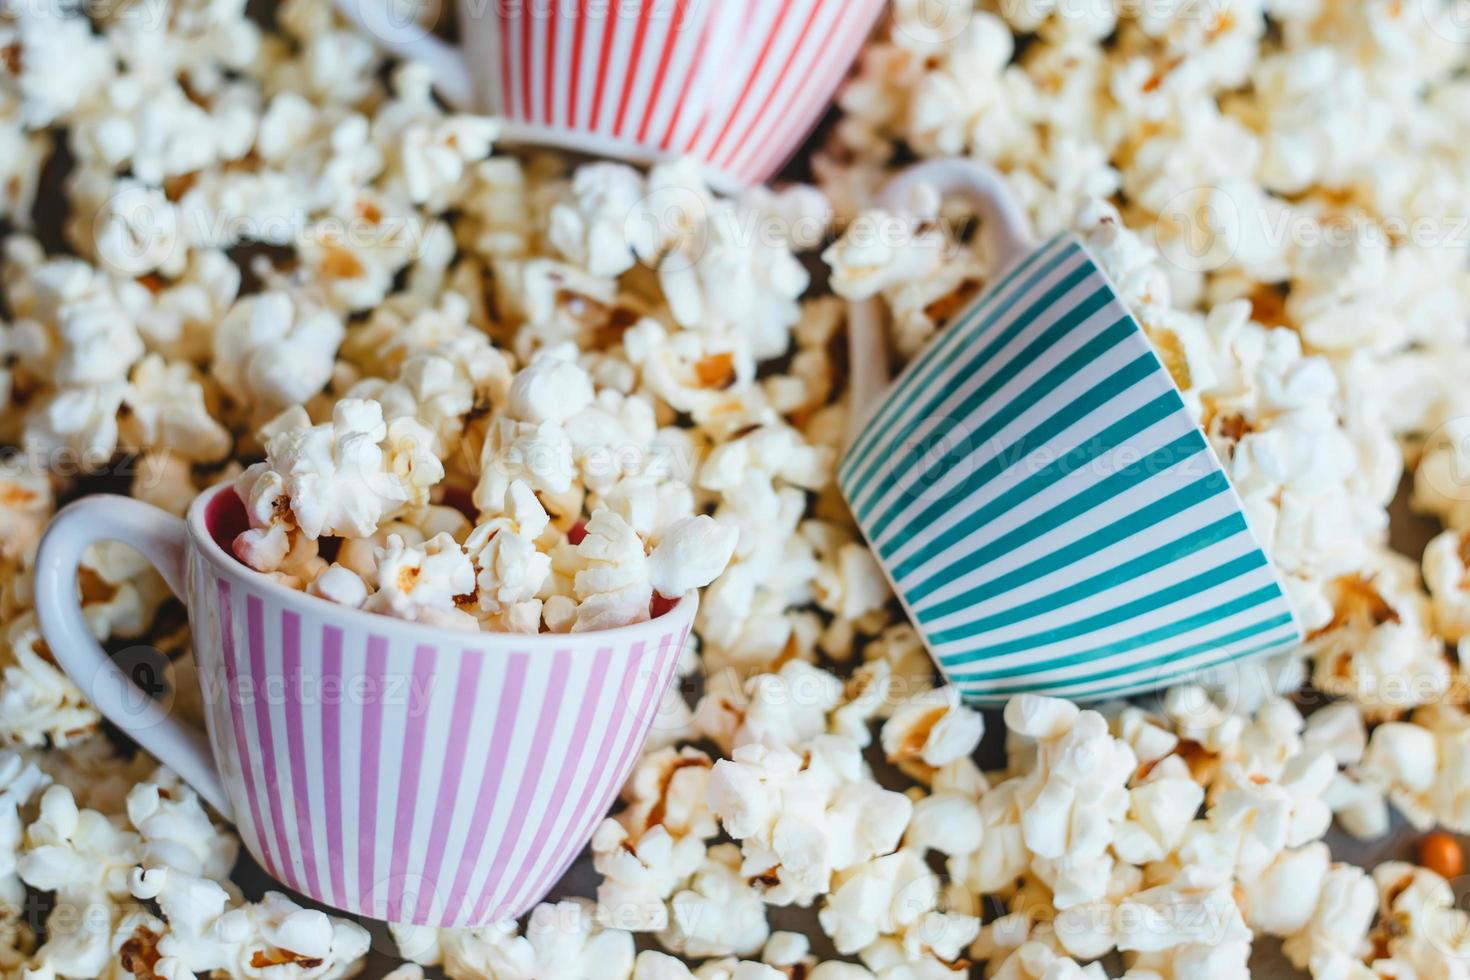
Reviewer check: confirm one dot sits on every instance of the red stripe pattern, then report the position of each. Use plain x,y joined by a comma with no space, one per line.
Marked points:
735,84
394,779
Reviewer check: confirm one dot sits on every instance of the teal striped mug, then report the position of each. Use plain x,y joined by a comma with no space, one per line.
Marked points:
1047,511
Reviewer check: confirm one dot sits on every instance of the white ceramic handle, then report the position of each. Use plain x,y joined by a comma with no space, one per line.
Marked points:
164,541
414,42
1006,226
1005,222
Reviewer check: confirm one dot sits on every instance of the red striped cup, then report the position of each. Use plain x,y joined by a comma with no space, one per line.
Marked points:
734,84
380,767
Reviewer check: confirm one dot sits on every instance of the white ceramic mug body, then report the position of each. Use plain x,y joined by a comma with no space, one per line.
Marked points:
734,84
379,767
1049,513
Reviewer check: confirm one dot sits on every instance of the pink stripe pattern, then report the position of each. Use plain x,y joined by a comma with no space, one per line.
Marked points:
415,782
715,71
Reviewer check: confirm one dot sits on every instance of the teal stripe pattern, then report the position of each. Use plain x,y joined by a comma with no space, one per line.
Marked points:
1046,510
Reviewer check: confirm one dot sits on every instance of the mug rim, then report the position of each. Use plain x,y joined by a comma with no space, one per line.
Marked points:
230,567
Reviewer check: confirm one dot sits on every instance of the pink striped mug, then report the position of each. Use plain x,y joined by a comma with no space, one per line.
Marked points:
380,767
734,84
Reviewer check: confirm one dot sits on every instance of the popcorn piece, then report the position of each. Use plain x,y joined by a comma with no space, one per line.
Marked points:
205,934
341,585
889,896
1440,486
1071,803
1337,932
40,703
612,583
638,878
552,388
788,707
1420,925
176,831
932,728
272,351
333,478
1447,573
668,788
509,570
1379,649
75,427
690,555
718,914
424,583
1281,898
1188,911
166,409
800,820
1160,809
26,504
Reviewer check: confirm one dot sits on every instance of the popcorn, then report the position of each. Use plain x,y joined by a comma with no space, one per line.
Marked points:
640,877
591,225
1070,804
788,707
802,819
552,388
690,555
72,325
166,408
340,584
612,581
272,351
166,481
718,914
932,728
1160,808
26,504
1336,933
1281,898
895,895
333,478
428,154
424,583
715,276
509,570
75,427
668,788
1420,927
274,937
40,702
1187,911
1380,649
1447,573
1439,483
175,830
674,425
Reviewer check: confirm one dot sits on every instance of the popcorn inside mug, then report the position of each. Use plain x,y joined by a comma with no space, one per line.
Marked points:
471,496
226,519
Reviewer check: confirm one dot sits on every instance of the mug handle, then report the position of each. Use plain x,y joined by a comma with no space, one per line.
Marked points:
164,540
410,41
1005,224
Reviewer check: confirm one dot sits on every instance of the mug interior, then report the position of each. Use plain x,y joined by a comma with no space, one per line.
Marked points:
225,518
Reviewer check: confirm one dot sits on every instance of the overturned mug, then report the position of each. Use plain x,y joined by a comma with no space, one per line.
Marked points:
1045,507
734,84
380,767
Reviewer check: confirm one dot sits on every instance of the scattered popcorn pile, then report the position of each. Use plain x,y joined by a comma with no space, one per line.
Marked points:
504,392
